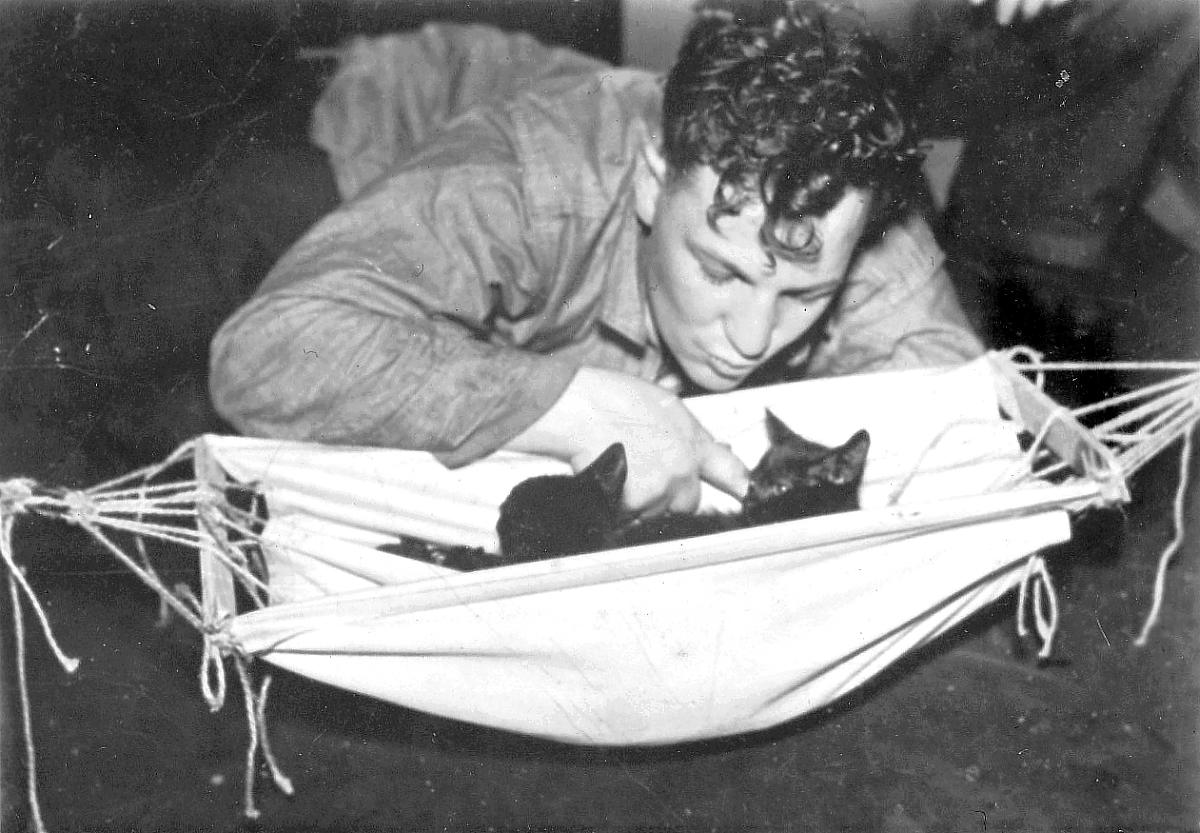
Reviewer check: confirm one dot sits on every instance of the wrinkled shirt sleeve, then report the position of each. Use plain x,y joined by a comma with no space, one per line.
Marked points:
379,327
899,310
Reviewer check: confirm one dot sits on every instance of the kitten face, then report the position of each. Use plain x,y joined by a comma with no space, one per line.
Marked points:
798,478
563,514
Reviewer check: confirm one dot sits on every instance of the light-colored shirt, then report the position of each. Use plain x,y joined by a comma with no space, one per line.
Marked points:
448,305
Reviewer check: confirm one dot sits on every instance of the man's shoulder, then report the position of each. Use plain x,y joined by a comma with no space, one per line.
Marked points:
907,253
577,102
578,139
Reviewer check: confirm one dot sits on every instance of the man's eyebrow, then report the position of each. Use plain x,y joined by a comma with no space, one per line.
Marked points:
703,251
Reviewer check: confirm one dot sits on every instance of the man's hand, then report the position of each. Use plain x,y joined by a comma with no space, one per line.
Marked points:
669,453
1006,10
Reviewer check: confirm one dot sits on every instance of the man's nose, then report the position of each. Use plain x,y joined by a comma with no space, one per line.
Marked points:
749,323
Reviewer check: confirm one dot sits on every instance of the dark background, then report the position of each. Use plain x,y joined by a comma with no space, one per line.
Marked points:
155,163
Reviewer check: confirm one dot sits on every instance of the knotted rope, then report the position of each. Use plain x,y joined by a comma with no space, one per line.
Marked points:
1162,413
1036,584
164,512
1157,415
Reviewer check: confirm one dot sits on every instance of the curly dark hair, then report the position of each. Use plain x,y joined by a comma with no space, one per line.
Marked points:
790,102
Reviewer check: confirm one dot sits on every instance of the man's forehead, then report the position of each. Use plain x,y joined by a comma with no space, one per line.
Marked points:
698,189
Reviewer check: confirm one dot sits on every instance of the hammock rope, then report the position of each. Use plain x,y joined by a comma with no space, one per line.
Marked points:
1170,412
201,517
95,510
1036,591
31,785
1164,560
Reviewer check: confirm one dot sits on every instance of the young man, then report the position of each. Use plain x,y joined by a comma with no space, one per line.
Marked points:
547,271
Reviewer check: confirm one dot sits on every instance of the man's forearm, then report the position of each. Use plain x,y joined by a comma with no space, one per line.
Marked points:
304,368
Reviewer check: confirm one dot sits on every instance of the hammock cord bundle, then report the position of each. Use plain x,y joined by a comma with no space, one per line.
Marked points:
197,515
163,512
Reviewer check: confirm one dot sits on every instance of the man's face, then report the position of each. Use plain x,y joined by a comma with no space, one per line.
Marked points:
715,300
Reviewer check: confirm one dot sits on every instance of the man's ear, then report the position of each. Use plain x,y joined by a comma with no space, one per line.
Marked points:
649,179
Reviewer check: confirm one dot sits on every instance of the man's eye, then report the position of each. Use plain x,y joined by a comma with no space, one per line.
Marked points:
808,296
718,277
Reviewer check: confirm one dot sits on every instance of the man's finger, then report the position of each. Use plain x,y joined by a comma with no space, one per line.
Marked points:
724,470
685,500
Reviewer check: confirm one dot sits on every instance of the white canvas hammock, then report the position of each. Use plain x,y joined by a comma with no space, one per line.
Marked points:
667,642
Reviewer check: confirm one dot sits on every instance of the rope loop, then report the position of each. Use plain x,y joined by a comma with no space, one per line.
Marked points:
212,675
1036,592
218,643
1024,354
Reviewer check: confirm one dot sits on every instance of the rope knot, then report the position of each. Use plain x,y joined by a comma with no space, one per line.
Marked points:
81,507
14,495
216,633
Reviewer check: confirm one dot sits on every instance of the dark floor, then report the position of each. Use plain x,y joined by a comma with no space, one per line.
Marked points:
124,264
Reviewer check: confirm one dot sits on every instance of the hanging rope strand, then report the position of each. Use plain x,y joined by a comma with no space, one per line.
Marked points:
256,706
260,714
16,574
1164,560
31,782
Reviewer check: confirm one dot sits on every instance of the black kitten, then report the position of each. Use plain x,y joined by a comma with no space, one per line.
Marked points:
557,515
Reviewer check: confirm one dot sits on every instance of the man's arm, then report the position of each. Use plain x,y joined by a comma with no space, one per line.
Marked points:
377,327
315,369
400,321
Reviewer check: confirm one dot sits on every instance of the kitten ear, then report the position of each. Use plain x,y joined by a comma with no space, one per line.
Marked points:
609,471
852,457
777,431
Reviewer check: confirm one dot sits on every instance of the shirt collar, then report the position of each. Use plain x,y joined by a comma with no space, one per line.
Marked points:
625,312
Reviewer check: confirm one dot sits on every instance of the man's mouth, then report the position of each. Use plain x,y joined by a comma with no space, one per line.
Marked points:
728,370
